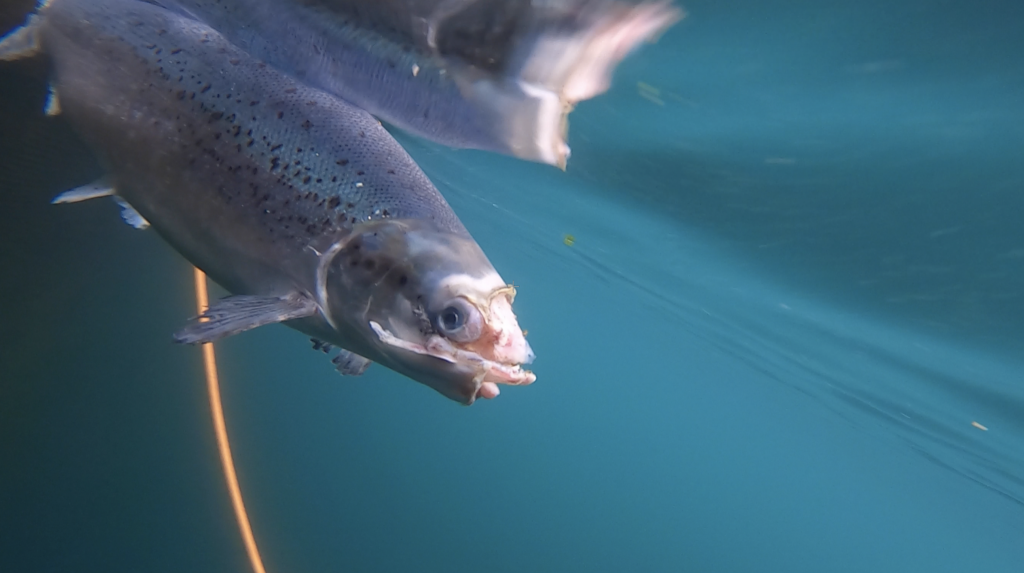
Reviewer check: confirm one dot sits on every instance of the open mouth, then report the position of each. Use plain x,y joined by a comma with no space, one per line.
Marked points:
490,373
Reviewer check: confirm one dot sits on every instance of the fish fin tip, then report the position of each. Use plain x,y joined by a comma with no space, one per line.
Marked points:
52,106
130,215
22,42
320,345
557,66
94,190
348,363
236,314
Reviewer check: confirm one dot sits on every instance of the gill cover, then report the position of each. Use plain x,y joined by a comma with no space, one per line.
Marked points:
430,304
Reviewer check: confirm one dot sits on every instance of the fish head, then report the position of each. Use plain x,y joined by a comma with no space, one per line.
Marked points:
429,305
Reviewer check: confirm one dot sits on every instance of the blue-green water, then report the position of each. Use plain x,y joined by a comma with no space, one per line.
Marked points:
796,281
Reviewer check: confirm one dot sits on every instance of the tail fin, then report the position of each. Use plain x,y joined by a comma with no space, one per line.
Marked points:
563,52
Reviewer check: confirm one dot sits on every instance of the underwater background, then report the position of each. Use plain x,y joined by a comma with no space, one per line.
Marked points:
777,301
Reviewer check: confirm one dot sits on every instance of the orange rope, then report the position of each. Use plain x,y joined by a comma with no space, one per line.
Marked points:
203,302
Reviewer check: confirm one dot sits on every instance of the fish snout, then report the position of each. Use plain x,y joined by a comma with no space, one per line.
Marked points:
530,356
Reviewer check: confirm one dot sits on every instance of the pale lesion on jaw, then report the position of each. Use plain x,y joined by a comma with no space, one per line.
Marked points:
496,356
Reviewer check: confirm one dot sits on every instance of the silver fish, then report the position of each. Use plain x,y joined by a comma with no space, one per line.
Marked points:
497,75
295,201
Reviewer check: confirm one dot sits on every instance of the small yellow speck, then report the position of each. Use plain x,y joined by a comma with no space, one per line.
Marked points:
569,240
415,70
979,426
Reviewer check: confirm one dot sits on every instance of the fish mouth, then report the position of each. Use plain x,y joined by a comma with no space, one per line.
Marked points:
487,373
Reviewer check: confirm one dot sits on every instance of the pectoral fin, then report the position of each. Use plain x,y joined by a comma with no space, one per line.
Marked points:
52,107
103,188
130,215
94,190
236,314
348,363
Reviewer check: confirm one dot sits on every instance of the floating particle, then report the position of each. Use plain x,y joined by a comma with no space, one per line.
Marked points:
569,240
649,93
979,426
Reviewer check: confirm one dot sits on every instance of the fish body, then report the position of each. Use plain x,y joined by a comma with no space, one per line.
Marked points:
496,75
298,203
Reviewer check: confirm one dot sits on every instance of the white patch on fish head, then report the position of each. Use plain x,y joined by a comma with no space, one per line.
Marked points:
501,340
460,312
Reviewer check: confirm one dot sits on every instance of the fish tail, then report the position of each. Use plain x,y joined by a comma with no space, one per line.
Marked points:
564,54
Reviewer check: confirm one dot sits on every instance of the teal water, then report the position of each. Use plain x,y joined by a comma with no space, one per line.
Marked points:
795,283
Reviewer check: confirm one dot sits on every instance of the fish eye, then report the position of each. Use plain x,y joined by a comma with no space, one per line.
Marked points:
459,321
